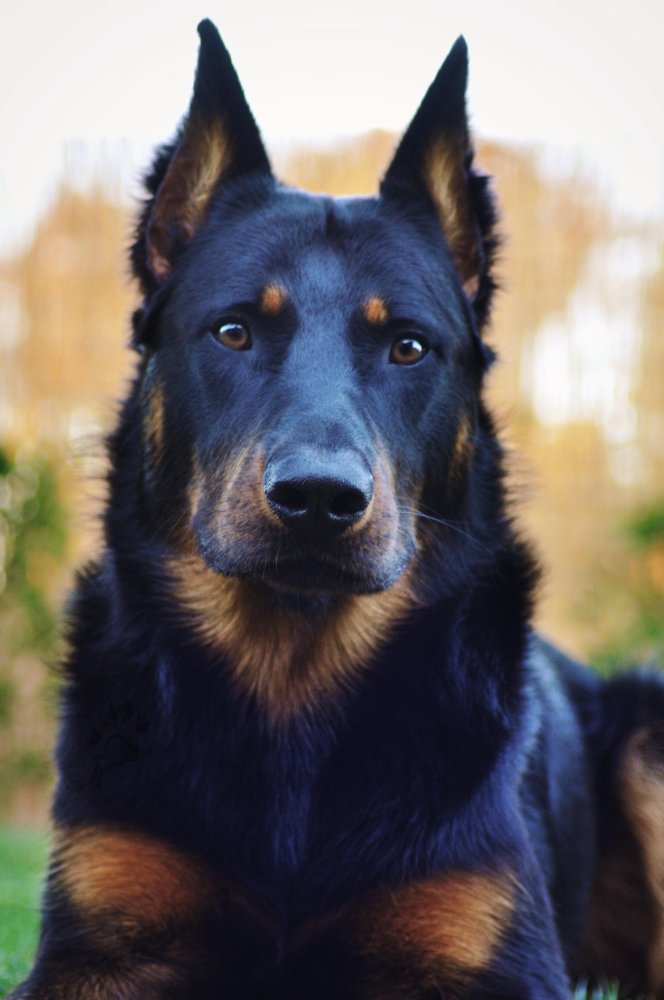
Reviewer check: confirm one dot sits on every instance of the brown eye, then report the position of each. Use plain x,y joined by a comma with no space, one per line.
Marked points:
408,351
233,334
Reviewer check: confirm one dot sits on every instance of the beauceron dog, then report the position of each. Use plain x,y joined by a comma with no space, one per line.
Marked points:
310,747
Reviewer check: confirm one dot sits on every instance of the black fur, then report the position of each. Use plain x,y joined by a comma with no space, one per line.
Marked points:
425,819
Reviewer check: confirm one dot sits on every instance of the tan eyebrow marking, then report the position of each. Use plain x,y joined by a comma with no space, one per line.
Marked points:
273,298
375,310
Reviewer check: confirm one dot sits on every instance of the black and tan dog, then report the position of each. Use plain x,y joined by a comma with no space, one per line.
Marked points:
310,746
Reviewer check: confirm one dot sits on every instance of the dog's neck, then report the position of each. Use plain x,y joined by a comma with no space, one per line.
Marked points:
290,654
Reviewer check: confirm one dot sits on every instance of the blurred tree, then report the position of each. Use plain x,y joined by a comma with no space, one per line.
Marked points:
74,304
347,167
648,390
641,639
33,545
33,548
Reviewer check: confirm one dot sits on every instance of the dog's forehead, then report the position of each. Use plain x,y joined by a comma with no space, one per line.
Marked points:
300,246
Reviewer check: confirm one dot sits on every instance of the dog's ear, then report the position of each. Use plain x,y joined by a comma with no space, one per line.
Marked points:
434,159
219,140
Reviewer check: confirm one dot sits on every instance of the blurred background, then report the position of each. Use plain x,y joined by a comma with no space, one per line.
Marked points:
566,102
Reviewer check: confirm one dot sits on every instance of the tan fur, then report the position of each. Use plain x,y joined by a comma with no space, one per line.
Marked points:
143,979
138,880
273,299
445,181
452,923
279,656
276,655
463,447
643,797
200,161
375,311
625,930
153,422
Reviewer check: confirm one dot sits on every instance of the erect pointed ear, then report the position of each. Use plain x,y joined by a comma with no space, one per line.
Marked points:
434,158
218,140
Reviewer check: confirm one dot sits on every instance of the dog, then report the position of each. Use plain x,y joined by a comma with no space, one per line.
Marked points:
310,744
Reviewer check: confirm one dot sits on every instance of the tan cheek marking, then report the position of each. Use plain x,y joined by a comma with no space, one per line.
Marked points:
375,311
273,299
463,446
154,422
142,881
454,922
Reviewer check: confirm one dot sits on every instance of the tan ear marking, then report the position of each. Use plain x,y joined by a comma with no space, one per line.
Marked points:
444,177
199,163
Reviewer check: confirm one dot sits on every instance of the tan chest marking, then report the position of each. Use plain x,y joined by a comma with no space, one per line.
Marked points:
275,655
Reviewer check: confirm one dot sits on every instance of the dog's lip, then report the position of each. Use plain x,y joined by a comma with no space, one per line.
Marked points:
296,577
297,572
308,568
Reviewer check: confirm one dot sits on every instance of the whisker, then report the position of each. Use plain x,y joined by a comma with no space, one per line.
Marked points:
446,524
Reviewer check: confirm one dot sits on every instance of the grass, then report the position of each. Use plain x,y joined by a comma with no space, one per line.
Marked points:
582,993
23,855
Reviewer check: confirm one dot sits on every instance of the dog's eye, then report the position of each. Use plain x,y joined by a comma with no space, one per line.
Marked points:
408,350
232,334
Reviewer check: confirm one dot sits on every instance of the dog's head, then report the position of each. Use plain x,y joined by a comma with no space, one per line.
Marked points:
309,389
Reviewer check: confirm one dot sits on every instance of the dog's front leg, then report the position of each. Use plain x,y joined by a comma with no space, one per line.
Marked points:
464,934
126,917
461,935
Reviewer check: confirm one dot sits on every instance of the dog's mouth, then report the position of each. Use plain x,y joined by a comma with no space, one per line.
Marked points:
349,537
312,573
321,572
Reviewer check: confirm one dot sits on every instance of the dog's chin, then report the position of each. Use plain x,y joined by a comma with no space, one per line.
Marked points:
309,577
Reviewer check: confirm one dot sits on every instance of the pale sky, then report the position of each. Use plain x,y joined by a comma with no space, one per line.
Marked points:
583,77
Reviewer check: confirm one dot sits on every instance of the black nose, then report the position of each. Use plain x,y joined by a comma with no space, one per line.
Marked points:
311,491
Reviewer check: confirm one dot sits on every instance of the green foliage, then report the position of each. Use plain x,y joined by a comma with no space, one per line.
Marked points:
642,640
582,992
33,539
6,701
22,865
647,527
31,765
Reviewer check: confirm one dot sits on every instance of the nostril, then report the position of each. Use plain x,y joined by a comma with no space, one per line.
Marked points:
288,497
312,493
349,503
